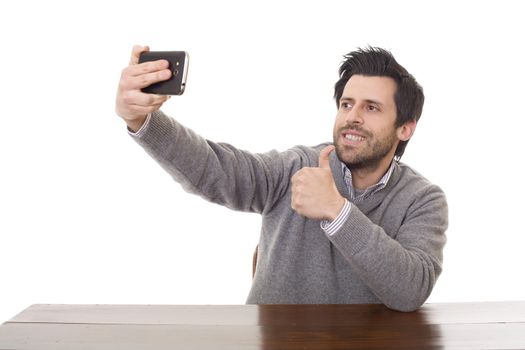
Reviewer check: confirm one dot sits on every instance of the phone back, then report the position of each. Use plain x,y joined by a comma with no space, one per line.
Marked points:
178,64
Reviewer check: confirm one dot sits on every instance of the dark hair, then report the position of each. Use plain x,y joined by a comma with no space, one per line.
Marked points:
375,61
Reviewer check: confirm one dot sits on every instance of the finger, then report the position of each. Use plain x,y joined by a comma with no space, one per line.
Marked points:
298,176
324,157
135,53
141,81
146,67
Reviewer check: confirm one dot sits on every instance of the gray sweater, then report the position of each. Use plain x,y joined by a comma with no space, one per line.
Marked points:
388,251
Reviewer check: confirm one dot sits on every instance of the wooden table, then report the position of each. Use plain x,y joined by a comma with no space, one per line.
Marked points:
157,327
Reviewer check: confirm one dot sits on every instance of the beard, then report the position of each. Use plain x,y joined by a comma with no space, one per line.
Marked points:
370,154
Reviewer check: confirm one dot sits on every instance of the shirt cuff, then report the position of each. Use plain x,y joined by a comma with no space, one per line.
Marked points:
142,128
331,227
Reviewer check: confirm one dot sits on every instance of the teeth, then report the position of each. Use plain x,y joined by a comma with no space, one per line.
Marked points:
354,137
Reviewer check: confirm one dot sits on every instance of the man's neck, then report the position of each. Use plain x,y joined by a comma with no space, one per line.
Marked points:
363,178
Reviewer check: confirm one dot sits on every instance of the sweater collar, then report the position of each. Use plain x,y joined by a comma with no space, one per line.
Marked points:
369,202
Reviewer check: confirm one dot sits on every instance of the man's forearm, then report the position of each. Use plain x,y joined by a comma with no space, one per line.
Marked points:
401,272
218,172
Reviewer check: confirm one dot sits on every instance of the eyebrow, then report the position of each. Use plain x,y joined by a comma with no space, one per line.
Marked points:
367,101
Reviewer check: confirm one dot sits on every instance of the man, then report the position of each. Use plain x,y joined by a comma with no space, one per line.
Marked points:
341,223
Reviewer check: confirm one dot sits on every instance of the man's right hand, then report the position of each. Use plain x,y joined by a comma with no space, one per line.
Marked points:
132,104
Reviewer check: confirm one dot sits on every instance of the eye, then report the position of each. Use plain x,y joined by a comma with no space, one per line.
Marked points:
372,108
345,105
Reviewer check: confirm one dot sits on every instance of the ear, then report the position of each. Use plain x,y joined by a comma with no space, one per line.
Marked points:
405,131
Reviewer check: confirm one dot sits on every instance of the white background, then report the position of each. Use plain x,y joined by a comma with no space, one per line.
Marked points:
87,217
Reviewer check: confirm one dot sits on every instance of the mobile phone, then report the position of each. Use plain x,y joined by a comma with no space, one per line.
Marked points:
178,64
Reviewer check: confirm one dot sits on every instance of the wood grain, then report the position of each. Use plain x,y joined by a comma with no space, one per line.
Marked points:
133,327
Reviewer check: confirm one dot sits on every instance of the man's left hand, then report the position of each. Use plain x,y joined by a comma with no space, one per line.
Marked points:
314,194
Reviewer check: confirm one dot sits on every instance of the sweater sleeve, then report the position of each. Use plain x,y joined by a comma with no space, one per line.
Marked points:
218,172
402,270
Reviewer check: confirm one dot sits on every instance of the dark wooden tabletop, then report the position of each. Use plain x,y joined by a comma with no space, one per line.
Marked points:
496,325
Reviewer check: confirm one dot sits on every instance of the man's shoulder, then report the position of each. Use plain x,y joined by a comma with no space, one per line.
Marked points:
414,181
409,172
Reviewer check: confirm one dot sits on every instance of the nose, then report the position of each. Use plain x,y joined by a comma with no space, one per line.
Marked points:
353,116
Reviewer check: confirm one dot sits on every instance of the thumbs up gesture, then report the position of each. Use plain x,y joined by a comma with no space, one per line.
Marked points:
314,194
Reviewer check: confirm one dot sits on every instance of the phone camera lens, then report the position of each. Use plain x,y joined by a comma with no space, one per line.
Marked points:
175,72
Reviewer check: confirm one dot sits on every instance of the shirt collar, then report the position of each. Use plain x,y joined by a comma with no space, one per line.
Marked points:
347,175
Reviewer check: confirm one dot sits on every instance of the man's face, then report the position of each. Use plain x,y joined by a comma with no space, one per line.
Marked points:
365,135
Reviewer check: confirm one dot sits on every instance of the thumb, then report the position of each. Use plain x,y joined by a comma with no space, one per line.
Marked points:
135,54
324,157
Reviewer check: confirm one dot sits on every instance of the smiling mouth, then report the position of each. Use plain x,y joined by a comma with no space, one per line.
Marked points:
351,137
